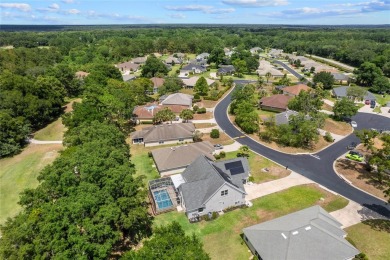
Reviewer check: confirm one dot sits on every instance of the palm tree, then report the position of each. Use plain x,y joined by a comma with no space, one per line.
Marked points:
268,75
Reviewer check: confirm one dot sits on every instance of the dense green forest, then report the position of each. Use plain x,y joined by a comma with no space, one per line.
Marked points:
89,203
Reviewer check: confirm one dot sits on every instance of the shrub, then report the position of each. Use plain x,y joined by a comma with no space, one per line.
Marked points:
217,156
150,154
201,110
222,154
214,133
328,137
251,179
266,136
196,96
195,108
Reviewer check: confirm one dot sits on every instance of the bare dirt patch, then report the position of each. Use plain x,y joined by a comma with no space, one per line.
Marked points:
207,115
338,128
327,107
286,149
223,139
204,125
356,173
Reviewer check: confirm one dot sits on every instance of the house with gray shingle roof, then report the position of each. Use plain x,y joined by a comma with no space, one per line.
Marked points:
194,68
177,99
341,92
208,187
164,134
311,233
173,160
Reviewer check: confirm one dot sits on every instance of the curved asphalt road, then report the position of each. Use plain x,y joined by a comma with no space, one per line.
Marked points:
319,170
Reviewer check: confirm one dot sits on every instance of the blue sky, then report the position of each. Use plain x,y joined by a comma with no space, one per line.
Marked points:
330,12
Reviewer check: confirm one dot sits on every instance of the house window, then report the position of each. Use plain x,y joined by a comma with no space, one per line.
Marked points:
161,142
200,210
224,192
181,140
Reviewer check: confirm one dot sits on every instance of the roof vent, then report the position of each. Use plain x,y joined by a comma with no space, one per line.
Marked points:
284,236
295,233
307,228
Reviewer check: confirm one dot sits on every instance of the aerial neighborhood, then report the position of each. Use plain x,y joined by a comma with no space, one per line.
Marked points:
217,147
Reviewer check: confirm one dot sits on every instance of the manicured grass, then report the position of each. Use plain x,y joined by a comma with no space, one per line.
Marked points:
20,172
371,237
143,163
221,237
377,109
257,163
52,132
382,100
173,73
338,203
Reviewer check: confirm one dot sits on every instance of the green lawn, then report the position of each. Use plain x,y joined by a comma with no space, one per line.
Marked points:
221,237
52,132
371,237
143,166
257,163
20,172
382,100
173,73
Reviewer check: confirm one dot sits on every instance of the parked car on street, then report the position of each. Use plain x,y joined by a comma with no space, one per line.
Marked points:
352,146
355,156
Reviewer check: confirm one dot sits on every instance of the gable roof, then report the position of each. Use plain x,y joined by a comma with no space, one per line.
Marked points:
139,60
171,59
341,92
279,101
192,81
178,99
128,65
157,82
203,178
284,117
165,132
128,77
148,111
192,66
226,69
181,156
340,76
311,233
296,89
203,55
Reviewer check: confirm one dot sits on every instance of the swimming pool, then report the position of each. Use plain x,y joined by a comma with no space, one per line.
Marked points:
162,199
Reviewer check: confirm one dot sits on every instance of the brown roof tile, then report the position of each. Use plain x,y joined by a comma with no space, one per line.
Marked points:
296,89
279,101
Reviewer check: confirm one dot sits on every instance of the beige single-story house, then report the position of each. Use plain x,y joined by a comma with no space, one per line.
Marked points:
177,133
173,160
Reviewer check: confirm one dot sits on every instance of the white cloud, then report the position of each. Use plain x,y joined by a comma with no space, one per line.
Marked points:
346,9
255,3
18,6
54,7
188,8
177,16
200,8
73,11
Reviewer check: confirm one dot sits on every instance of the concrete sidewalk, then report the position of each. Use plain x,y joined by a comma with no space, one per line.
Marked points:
354,213
33,141
335,137
212,120
255,191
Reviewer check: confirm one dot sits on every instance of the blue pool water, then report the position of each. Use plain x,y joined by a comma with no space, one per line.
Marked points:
162,199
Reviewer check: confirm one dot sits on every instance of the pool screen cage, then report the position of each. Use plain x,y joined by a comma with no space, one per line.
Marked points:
162,195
